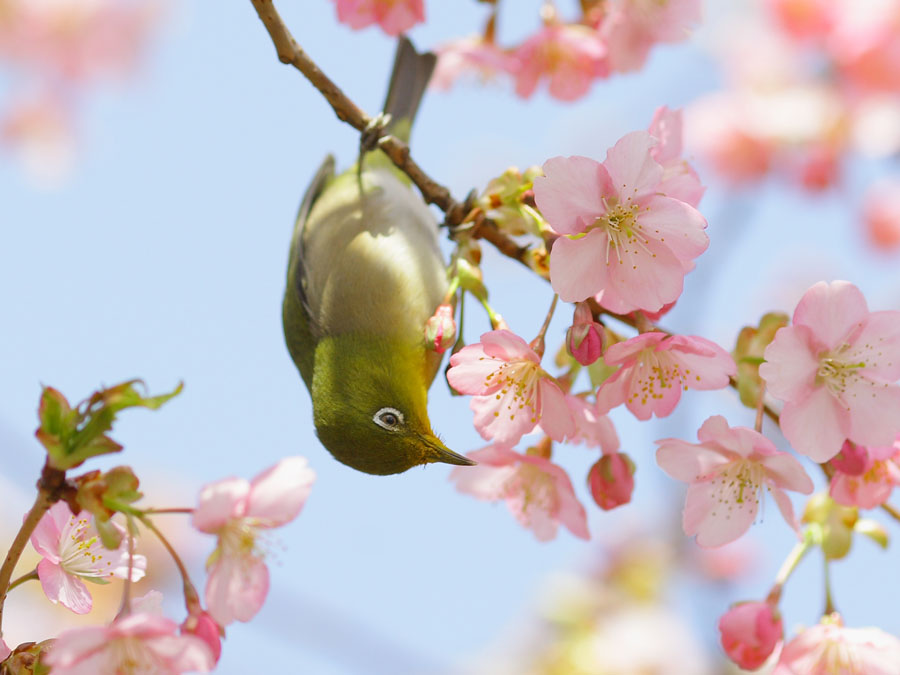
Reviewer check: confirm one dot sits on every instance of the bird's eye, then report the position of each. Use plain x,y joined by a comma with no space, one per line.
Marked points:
388,418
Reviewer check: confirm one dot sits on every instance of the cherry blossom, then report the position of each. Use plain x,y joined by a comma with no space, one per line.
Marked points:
569,55
139,642
611,480
236,510
725,473
537,492
4,650
72,552
394,16
834,368
829,647
620,234
511,392
881,214
750,632
592,427
470,55
864,477
655,368
632,27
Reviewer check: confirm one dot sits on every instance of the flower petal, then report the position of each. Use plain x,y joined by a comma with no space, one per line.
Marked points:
787,473
713,512
555,417
688,462
469,371
816,426
571,192
676,224
632,169
236,588
577,266
278,494
65,589
220,502
506,345
873,410
791,363
832,311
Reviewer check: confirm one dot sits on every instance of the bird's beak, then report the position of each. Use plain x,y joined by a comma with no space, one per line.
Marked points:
435,451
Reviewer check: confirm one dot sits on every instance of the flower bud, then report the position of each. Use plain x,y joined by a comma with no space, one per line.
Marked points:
584,339
611,480
440,329
204,627
750,632
853,459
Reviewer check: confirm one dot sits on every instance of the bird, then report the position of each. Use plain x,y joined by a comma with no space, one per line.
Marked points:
365,272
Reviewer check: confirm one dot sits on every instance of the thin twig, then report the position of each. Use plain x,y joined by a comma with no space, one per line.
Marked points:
41,504
291,53
28,576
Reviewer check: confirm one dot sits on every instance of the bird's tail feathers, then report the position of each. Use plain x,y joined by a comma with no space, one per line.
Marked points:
409,79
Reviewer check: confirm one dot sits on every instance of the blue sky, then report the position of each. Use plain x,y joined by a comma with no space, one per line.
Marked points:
163,257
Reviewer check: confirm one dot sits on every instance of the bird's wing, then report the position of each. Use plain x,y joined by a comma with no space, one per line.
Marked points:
296,270
301,330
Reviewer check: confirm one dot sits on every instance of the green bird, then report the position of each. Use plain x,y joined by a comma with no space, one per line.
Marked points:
364,275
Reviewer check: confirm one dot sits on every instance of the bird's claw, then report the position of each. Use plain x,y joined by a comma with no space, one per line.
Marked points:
369,137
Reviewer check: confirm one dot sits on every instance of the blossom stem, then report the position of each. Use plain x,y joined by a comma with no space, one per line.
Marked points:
125,609
760,407
538,343
41,504
829,601
22,579
174,510
191,597
787,568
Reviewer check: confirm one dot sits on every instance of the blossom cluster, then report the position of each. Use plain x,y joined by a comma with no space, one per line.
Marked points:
608,37
810,84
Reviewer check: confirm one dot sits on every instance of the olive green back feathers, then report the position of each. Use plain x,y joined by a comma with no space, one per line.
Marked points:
364,274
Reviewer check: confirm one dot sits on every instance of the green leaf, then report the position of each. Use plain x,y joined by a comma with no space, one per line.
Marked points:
748,354
71,436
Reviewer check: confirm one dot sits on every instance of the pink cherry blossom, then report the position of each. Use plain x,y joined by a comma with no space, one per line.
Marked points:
834,368
632,27
620,234
394,16
750,632
512,393
611,480
72,552
655,368
679,181
804,19
470,55
537,492
828,648
139,642
881,214
4,650
725,473
864,477
236,510
569,55
592,427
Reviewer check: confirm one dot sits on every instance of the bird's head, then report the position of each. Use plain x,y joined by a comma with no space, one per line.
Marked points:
369,404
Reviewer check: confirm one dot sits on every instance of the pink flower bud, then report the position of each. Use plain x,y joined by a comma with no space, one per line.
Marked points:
440,329
584,339
853,459
611,480
204,627
750,632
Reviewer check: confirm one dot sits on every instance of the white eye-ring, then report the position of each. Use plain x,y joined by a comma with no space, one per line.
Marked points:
388,418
